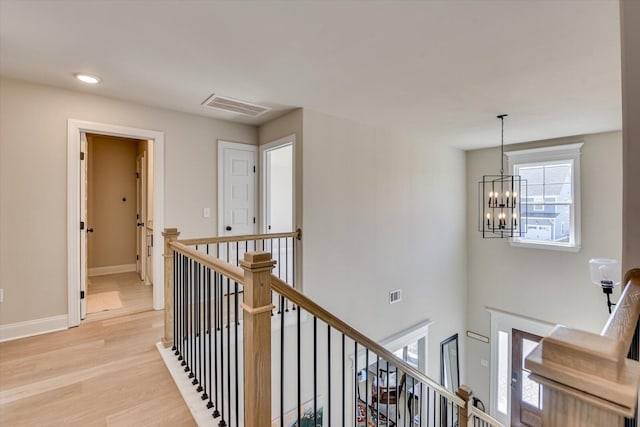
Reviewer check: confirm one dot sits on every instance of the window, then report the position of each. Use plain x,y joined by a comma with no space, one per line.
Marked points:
551,206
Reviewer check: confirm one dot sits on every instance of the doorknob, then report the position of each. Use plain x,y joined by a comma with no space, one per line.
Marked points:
228,228
140,224
89,230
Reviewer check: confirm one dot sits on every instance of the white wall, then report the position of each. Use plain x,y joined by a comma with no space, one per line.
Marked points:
547,285
383,212
33,169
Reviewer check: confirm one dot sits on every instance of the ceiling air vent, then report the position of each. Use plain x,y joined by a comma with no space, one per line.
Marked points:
235,105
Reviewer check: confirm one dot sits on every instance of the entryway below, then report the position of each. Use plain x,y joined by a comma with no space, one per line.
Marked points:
116,295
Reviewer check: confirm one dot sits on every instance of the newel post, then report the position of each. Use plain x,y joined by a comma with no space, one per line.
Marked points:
169,234
464,393
257,338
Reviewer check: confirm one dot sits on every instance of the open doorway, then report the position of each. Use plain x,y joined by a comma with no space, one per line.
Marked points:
117,199
76,211
278,185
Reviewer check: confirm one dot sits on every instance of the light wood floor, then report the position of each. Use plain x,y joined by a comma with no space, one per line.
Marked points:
102,373
134,294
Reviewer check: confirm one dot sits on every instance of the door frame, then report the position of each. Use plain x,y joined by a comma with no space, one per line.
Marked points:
530,337
74,128
141,211
264,148
222,144
503,321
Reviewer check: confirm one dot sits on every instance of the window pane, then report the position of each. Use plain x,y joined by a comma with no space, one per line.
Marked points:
533,174
534,192
527,348
530,390
503,371
551,224
557,174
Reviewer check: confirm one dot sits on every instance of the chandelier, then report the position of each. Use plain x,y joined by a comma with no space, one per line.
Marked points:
500,196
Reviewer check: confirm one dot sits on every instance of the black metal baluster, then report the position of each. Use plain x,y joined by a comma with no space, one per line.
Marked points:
315,369
222,422
175,300
355,382
235,309
299,370
420,405
207,332
229,351
192,342
329,375
183,340
376,384
282,368
214,331
293,263
185,304
196,309
366,384
344,380
387,388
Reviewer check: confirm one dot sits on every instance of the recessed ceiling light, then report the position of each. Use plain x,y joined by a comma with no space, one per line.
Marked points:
87,78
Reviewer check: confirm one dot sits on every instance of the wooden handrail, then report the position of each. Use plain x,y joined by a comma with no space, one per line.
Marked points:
208,240
301,300
622,323
475,412
234,273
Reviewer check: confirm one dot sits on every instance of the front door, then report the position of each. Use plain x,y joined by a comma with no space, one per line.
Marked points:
526,395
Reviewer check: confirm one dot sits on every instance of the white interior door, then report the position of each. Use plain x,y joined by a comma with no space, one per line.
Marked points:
84,226
236,189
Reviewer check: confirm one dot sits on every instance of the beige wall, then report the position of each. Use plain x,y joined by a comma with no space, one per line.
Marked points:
33,189
381,212
111,172
548,285
630,16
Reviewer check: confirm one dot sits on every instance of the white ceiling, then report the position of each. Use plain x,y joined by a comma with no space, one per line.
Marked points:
438,70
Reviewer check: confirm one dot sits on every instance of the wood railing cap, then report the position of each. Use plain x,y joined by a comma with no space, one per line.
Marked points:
590,378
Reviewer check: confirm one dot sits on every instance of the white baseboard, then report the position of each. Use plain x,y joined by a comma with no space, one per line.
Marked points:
13,331
111,269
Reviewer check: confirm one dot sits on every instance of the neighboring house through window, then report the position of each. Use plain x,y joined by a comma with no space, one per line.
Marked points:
552,201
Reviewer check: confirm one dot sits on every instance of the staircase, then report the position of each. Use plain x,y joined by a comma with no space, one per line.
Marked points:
261,353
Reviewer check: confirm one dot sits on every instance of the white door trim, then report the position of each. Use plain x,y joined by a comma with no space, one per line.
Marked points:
237,146
506,322
282,142
74,127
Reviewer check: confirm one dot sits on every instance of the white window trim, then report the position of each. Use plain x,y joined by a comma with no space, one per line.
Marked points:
506,322
550,154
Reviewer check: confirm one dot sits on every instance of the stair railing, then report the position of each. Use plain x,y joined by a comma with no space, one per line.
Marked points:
256,368
587,378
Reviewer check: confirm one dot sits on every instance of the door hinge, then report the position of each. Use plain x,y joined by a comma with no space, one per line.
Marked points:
137,175
81,294
137,216
254,219
81,225
82,155
137,257
254,169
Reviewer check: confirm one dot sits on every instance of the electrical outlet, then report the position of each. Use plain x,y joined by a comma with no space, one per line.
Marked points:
484,363
206,212
1,294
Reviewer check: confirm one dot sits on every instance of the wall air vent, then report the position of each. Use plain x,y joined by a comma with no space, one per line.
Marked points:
395,296
235,106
